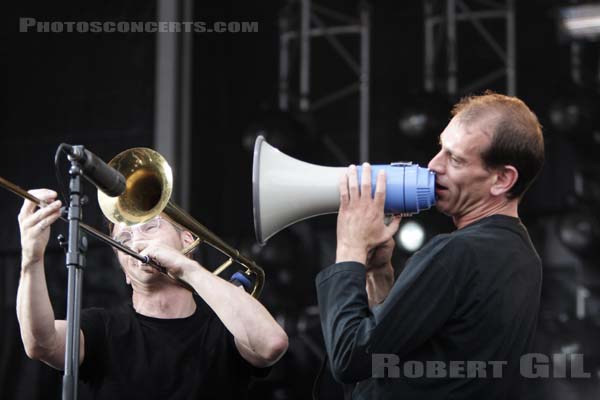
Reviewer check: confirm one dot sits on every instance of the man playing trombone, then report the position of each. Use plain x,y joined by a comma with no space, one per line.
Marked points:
168,343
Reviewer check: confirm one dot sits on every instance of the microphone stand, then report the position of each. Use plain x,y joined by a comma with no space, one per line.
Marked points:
75,262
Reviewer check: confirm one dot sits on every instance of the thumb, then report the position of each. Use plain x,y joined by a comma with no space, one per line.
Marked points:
393,226
149,251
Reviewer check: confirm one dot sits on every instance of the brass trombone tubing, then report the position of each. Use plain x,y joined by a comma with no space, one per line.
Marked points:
19,191
178,216
149,182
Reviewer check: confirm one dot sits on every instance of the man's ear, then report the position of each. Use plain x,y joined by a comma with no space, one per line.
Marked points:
186,238
127,280
506,177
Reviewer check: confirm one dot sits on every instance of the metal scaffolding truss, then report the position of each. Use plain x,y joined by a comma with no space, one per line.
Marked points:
442,20
304,21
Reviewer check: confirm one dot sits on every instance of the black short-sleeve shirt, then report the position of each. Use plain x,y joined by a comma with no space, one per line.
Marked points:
129,355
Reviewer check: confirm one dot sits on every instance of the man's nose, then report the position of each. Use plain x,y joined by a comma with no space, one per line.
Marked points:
137,244
434,164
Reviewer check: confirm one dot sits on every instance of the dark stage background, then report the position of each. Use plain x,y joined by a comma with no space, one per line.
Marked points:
99,90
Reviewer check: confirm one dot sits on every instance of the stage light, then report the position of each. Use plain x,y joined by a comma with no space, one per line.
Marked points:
414,123
420,121
580,21
566,115
425,117
580,233
575,116
411,236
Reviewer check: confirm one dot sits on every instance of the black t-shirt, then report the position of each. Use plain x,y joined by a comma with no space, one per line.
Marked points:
466,298
131,356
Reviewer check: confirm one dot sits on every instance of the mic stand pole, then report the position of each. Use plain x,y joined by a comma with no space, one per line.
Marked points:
75,262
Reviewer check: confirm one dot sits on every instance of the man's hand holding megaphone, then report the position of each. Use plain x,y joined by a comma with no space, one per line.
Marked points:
362,234
361,228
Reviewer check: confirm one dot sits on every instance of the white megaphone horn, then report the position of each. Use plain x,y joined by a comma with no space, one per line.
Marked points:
287,190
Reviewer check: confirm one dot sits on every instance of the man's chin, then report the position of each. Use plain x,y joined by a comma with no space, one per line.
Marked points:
146,269
442,208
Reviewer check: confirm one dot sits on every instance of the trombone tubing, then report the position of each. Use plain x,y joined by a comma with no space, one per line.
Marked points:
92,231
180,217
215,241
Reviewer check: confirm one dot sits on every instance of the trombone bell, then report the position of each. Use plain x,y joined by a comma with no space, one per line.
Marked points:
148,188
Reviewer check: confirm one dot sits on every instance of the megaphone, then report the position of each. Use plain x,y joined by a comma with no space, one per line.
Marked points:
286,190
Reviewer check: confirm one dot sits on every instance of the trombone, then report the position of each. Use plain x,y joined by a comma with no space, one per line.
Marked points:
149,184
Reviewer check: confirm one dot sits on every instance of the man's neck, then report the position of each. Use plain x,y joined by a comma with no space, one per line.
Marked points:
508,208
167,302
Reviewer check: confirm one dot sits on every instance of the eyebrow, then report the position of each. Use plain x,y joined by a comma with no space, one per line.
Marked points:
450,152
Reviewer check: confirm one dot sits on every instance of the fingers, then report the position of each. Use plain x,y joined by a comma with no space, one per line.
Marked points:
167,257
28,208
49,217
152,252
43,217
393,226
154,249
144,251
353,183
380,189
344,194
349,186
46,195
139,245
151,249
365,182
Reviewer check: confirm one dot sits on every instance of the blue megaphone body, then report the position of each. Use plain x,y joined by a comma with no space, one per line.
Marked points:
410,189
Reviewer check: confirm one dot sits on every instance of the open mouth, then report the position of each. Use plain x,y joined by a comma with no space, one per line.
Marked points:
439,190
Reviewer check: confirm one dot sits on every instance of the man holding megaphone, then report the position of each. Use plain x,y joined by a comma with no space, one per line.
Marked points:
457,319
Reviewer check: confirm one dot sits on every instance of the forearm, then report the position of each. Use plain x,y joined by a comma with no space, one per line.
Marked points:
346,321
246,318
379,284
379,280
34,312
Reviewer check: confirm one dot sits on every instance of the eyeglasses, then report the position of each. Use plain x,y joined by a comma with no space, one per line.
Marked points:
149,228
